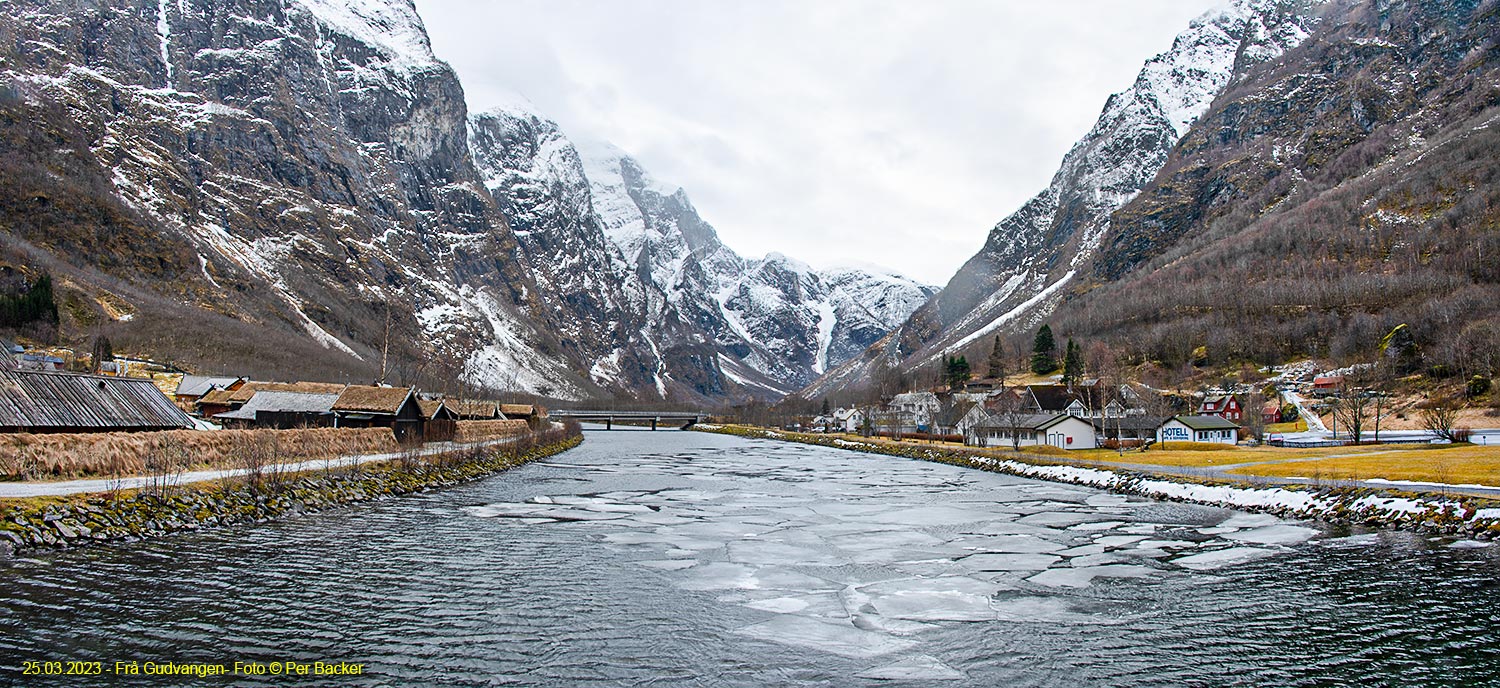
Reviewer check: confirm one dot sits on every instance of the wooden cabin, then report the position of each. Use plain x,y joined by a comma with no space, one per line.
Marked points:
476,409
282,410
224,400
439,422
531,414
364,406
43,401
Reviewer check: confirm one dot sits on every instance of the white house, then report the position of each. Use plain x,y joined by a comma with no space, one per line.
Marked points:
913,411
969,424
1057,430
848,419
1198,429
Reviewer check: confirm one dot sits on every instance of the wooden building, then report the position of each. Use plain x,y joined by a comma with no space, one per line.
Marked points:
1211,429
476,409
1059,430
41,401
193,387
282,410
531,414
439,422
224,400
362,406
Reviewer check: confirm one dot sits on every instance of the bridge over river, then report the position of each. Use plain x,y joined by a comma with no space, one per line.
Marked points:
679,419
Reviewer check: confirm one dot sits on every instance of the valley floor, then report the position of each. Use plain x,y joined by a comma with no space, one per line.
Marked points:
1460,469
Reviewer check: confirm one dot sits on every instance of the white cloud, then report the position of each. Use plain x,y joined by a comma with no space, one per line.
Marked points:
837,131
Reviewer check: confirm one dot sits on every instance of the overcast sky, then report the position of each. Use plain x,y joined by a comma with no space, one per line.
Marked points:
836,132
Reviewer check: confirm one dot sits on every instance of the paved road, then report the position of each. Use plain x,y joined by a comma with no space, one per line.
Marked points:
67,487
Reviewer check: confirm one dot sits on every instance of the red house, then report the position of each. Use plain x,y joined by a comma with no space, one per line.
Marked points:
1226,406
1327,384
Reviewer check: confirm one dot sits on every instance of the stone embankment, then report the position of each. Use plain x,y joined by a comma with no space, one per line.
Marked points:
1455,516
53,522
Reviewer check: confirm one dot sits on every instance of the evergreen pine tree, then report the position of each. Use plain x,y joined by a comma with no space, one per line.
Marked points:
997,360
1072,363
825,406
1044,351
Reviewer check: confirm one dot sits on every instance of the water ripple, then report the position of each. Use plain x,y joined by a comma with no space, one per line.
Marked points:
856,563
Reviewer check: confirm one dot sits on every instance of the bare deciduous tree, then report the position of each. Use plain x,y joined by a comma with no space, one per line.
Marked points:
1439,418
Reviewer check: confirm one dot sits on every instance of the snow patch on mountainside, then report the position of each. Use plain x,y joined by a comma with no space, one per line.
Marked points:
390,26
1016,312
1064,226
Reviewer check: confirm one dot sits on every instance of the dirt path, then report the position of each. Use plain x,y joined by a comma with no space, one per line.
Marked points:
67,487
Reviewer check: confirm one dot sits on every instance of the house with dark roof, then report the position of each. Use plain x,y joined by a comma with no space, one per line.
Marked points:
367,406
1059,430
192,388
1226,406
1211,429
220,401
1050,399
43,401
1126,431
439,421
282,410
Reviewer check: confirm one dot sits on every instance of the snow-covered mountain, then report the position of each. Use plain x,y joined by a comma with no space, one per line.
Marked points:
1034,257
298,184
692,314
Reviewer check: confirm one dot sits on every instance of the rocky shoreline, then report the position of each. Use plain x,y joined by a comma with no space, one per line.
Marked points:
33,524
1339,506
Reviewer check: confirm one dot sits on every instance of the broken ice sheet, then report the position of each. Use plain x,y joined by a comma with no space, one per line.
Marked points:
914,668
835,637
949,598
1279,534
1083,577
1216,559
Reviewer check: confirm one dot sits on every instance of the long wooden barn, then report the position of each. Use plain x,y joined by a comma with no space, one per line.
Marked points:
42,401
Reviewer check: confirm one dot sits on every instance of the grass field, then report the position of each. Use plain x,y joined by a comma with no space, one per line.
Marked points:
1457,465
1227,456
1298,425
1453,464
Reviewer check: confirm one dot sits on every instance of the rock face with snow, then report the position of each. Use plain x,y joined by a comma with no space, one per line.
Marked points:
299,185
685,312
1034,257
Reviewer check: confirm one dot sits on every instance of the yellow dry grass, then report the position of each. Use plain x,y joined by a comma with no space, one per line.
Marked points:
67,455
1298,425
1221,456
1456,464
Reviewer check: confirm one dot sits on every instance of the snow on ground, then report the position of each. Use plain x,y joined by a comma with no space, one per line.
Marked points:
1013,313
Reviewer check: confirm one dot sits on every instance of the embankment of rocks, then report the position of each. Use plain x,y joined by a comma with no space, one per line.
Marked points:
60,522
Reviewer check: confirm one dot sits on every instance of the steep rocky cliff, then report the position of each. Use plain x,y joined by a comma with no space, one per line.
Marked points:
300,168
1290,179
294,188
692,313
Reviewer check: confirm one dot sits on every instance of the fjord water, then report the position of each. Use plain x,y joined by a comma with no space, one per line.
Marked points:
675,558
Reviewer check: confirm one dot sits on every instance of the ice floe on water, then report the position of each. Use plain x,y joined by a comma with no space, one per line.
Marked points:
914,668
1220,558
859,557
